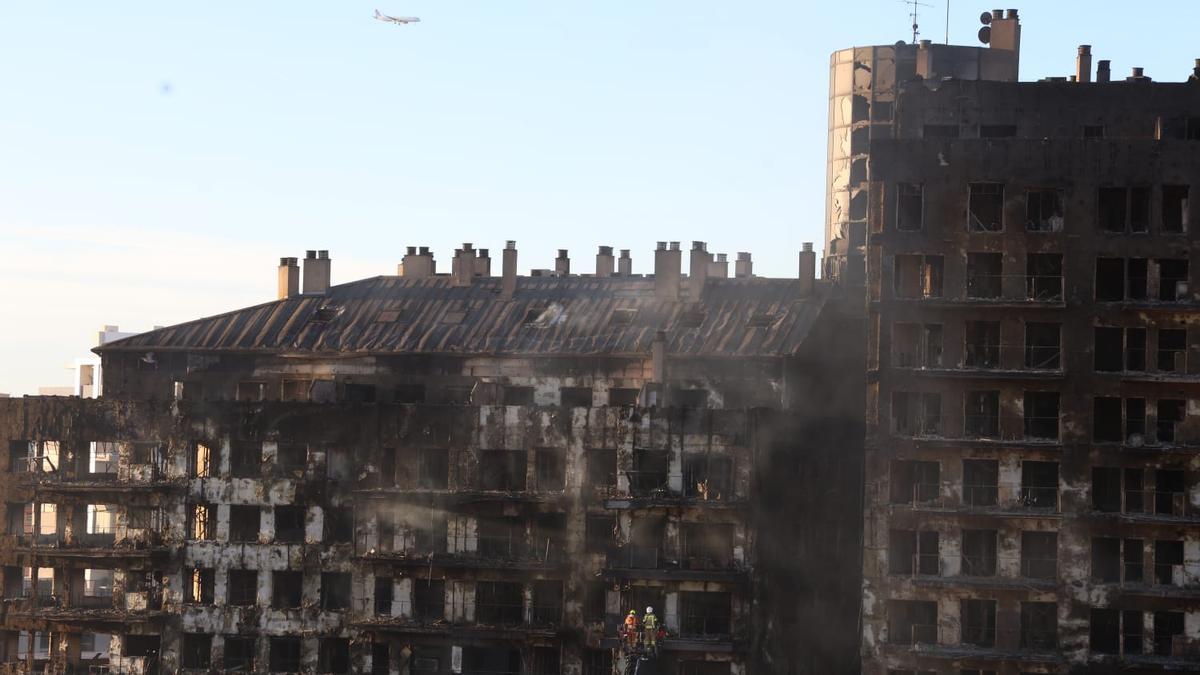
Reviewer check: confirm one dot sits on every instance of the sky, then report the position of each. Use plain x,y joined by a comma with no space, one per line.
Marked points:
158,158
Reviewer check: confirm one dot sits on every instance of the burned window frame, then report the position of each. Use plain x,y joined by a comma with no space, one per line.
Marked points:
1045,210
985,196
910,207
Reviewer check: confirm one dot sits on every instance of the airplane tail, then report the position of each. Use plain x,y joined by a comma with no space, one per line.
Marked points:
377,14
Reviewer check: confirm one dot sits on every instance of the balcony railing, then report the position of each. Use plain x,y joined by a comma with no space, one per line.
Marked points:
1039,497
979,636
635,557
1171,360
979,565
921,494
1038,287
1044,287
1033,567
981,494
1156,502
1040,429
499,614
920,634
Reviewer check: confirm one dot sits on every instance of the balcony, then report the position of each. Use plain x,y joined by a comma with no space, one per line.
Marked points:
473,552
648,562
982,428
988,642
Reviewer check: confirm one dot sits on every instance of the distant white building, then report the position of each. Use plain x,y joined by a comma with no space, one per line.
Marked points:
88,383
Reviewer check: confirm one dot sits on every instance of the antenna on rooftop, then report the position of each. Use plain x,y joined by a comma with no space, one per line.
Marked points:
947,21
912,14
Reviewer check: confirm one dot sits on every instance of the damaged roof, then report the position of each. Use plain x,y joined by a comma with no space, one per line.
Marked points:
547,315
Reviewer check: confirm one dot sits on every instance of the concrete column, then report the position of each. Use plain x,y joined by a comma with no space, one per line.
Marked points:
670,612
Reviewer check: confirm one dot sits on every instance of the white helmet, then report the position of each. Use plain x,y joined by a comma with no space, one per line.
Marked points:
649,610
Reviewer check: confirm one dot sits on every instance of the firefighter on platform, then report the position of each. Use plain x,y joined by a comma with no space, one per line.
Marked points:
630,630
650,626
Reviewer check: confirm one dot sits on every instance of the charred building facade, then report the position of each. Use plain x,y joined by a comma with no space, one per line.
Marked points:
1032,482
451,473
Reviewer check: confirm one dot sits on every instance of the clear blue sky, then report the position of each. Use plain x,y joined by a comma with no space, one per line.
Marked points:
160,156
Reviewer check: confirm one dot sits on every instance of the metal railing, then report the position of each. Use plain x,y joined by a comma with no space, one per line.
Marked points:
984,286
922,634
919,493
512,547
981,426
648,483
499,614
1169,574
981,495
1044,287
975,426
1165,430
546,615
635,557
1042,427
979,636
1039,497
1038,287
1171,360
925,564
1036,567
1155,502
979,565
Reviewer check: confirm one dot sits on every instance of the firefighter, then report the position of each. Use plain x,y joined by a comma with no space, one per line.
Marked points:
650,625
630,629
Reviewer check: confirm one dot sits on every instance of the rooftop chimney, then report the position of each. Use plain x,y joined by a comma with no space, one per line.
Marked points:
625,263
1005,34
719,269
483,264
562,264
658,357
1083,64
808,269
316,272
463,266
604,262
1103,70
1137,75
698,269
508,280
743,268
666,271
289,278
417,263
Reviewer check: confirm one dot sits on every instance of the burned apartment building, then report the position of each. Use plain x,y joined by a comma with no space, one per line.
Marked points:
1029,255
452,473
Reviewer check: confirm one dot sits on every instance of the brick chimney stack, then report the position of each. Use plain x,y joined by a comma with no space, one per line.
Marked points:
418,263
508,280
666,270
604,262
808,269
289,278
698,262
562,264
316,272
625,263
743,267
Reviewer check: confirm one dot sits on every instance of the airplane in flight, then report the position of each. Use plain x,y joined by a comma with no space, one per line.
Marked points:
398,20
